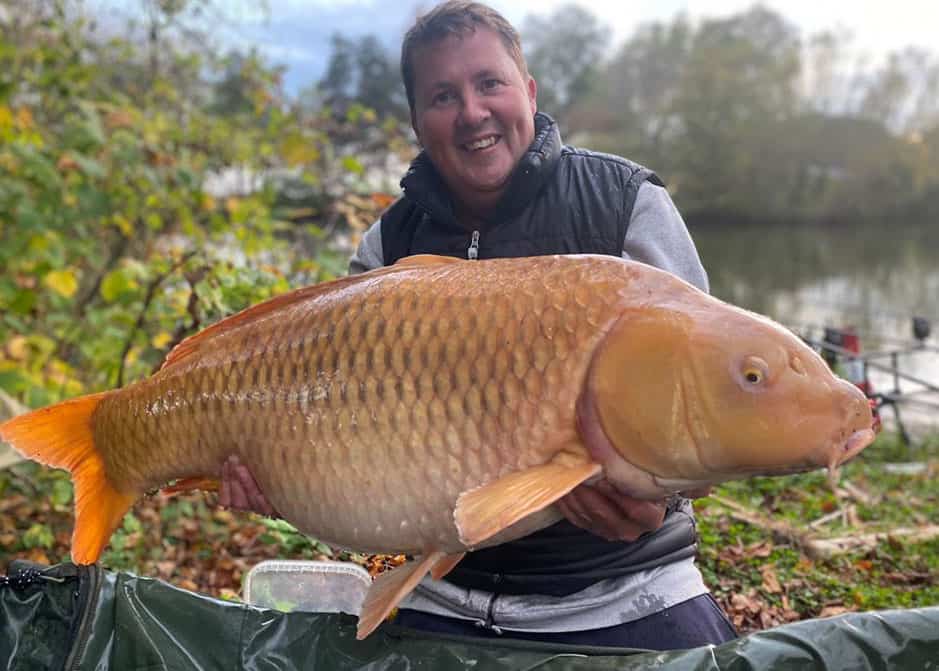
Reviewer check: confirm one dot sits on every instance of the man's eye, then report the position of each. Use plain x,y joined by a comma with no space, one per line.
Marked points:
443,98
489,84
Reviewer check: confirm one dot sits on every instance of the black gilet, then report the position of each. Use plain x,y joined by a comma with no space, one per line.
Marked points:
560,200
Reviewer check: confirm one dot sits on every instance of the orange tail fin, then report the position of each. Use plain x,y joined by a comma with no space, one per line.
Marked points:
61,436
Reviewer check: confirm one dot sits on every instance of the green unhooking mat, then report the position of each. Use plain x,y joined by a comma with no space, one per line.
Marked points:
68,618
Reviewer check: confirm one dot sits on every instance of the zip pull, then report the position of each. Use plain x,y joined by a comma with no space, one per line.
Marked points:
473,252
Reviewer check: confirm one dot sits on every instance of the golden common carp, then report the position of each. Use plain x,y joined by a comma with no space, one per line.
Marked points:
440,405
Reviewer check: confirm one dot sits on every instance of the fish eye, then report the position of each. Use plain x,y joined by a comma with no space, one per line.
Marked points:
753,376
754,370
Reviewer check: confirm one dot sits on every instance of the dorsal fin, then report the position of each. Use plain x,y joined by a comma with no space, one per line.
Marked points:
425,260
262,310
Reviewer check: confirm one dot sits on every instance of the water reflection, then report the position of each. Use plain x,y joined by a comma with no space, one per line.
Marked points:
871,277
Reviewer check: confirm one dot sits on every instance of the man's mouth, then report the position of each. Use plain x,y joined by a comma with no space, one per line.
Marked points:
481,143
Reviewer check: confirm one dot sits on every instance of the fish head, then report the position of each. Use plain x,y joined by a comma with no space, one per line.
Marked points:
766,402
691,391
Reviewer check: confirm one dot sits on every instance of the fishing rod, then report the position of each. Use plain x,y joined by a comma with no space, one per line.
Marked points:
867,361
847,346
921,329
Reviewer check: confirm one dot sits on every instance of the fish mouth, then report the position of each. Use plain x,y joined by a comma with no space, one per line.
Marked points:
856,442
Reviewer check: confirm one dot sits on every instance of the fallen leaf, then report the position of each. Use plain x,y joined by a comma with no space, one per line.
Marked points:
760,549
864,564
770,580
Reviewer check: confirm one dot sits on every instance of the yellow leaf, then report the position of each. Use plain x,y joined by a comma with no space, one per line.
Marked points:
208,203
59,372
18,348
73,388
24,118
296,150
63,282
123,223
231,204
133,355
161,340
6,119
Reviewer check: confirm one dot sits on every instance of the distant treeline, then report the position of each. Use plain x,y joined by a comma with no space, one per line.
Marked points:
745,117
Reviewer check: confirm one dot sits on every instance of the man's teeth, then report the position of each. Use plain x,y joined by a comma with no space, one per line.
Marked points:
481,144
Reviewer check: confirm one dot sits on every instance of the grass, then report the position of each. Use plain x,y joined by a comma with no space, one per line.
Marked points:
763,580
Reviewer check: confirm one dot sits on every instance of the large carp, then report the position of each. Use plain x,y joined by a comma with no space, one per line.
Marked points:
439,405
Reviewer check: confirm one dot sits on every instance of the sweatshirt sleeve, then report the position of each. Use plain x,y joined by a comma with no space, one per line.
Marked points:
369,254
657,235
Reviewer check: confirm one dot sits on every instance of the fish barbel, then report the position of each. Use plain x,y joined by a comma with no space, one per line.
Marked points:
440,405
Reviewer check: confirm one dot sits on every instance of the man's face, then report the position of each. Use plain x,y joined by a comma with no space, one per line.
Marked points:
473,113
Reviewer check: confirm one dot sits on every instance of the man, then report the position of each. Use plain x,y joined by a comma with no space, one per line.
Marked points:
494,179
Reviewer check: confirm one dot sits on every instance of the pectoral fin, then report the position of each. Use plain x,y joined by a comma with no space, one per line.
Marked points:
485,511
445,565
390,587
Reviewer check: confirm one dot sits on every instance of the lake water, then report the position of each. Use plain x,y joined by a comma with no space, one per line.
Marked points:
873,278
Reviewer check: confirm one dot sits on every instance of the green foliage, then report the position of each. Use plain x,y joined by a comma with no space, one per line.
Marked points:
293,543
115,245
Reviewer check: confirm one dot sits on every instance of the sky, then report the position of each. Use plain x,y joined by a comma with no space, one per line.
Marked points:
296,32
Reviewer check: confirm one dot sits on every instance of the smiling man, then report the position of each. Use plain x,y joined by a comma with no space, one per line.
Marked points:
494,179
473,109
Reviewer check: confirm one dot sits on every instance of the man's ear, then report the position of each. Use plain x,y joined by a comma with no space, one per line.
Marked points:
532,94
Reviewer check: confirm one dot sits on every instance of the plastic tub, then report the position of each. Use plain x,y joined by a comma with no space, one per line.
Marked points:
307,586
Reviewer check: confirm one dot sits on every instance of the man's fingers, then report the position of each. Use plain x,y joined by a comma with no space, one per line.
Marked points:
593,511
618,522
224,492
240,491
648,515
572,511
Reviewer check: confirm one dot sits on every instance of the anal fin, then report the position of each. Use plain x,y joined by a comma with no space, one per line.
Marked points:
483,512
389,588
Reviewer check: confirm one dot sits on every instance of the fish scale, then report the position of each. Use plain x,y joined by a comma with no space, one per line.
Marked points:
343,425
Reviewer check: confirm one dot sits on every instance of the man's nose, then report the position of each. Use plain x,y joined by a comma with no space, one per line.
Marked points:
474,110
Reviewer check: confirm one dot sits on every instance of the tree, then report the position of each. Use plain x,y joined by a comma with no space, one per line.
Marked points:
362,72
904,93
631,108
246,85
741,78
119,234
563,52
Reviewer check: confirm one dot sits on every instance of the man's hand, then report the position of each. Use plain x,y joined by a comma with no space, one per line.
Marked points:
603,511
240,490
